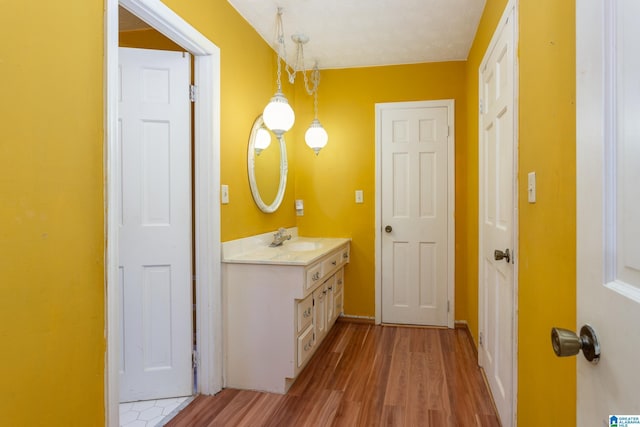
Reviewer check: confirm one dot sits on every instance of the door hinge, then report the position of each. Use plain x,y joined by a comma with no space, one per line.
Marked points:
481,106
448,306
193,89
480,339
194,359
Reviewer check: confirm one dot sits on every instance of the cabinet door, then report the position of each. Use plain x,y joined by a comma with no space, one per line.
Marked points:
331,287
320,311
338,299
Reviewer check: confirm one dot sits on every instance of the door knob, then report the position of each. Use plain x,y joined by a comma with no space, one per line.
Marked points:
388,229
499,255
568,343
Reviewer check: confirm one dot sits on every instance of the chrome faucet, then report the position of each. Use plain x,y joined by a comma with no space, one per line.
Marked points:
280,237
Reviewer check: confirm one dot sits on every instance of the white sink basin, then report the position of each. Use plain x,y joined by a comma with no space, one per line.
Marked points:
301,246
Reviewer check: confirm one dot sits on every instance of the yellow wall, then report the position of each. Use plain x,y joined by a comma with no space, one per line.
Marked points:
327,183
247,84
51,213
548,227
546,55
51,192
146,39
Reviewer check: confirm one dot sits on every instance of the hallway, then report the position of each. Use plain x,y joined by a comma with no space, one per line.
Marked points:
366,375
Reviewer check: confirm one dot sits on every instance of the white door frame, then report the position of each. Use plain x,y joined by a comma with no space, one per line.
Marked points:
206,184
512,6
451,187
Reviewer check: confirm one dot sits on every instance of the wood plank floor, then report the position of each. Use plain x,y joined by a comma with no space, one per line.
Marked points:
366,375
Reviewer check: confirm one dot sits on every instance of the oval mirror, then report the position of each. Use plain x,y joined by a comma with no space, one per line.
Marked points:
267,167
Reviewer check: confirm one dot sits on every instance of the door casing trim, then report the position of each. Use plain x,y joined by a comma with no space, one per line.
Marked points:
206,186
450,105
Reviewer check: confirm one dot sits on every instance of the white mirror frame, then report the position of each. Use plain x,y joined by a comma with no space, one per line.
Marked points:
251,160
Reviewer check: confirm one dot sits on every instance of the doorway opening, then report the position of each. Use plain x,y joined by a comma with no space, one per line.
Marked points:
415,184
206,179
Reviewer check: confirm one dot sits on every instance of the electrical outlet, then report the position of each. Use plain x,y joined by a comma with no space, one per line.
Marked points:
359,196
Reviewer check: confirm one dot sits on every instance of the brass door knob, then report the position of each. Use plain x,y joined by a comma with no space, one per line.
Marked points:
568,343
499,255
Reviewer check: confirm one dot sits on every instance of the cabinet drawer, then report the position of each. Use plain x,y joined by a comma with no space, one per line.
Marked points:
305,313
339,281
314,275
344,255
305,345
332,262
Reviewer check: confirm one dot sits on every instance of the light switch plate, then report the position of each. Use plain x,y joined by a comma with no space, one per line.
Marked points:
531,187
224,194
359,196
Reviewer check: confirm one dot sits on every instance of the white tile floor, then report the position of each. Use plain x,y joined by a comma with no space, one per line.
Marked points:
149,413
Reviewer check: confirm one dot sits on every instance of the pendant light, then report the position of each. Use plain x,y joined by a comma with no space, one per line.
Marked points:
278,115
316,137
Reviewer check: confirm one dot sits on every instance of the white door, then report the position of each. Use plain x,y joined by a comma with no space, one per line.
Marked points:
415,159
608,207
155,230
497,296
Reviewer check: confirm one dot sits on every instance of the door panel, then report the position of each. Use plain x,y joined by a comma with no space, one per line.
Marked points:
415,149
155,230
608,206
497,212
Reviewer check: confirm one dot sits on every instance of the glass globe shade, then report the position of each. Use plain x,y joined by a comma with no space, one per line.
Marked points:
262,141
316,137
278,115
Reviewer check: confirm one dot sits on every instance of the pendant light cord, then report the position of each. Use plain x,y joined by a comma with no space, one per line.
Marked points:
299,64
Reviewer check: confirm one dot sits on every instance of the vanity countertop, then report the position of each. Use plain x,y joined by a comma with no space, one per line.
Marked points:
297,251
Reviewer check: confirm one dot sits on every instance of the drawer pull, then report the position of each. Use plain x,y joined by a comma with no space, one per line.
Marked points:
330,288
307,313
334,263
316,276
345,255
339,281
307,346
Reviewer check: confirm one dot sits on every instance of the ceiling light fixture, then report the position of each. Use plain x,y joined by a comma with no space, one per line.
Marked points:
278,115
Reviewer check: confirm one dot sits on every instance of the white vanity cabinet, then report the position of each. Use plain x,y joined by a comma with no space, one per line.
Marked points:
277,313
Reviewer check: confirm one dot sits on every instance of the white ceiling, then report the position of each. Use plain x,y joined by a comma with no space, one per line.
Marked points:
358,33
